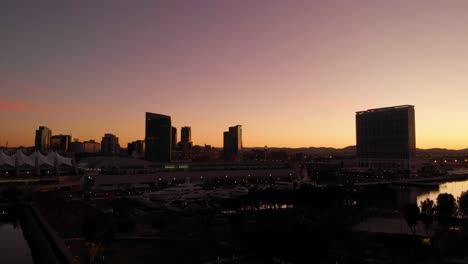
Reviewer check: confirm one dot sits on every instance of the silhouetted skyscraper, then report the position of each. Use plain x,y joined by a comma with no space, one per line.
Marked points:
136,148
60,143
186,135
186,142
233,143
385,137
174,138
158,135
110,144
42,141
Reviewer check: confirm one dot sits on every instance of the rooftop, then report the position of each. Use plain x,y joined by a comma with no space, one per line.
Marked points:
385,109
153,115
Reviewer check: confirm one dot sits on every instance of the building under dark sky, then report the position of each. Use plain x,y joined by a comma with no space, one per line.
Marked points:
385,137
42,141
110,144
232,146
136,148
158,134
174,138
186,134
60,143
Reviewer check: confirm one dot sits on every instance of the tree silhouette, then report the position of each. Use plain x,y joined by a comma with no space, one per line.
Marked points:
411,213
446,208
463,204
427,213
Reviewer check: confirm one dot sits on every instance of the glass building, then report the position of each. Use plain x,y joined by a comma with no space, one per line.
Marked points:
385,137
42,141
158,137
232,146
186,134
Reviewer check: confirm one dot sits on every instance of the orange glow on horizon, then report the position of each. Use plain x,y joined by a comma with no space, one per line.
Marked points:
293,73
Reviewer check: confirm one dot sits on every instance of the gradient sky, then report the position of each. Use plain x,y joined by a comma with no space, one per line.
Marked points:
293,73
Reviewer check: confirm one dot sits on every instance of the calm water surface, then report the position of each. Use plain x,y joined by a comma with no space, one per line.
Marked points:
14,248
454,188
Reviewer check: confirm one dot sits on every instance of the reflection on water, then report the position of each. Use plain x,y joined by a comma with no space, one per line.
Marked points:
13,245
454,188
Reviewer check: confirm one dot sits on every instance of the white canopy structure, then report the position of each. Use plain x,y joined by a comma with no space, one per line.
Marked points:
22,159
6,160
60,160
36,160
41,159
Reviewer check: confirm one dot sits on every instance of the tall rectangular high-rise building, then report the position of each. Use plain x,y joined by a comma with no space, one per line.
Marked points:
158,134
232,146
42,140
186,142
174,138
385,137
110,144
186,135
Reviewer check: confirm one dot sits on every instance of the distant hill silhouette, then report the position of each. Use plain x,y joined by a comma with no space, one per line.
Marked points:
441,152
351,151
319,151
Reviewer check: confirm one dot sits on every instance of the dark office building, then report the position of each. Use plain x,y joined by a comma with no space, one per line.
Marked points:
385,137
136,148
186,134
110,144
76,146
186,142
232,146
158,134
42,141
174,138
60,143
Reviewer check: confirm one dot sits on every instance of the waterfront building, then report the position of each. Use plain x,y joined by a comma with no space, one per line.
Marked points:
42,140
60,143
385,137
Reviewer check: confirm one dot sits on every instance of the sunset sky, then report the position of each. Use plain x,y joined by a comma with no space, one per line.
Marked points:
292,73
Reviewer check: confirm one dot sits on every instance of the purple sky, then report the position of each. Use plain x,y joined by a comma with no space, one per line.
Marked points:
293,73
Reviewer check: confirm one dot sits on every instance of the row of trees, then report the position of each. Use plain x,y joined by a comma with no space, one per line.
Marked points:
445,210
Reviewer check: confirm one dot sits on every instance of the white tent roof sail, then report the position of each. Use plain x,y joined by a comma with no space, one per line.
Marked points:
22,159
36,159
60,159
6,160
42,160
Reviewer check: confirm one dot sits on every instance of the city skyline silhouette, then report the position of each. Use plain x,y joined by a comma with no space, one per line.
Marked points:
293,75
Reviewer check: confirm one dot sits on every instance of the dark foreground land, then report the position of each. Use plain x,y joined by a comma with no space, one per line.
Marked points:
308,225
